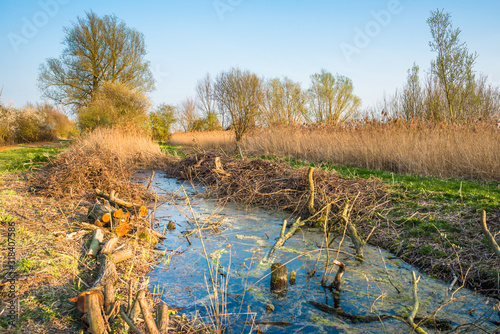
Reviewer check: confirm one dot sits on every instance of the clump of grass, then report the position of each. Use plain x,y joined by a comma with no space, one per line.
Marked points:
104,159
27,158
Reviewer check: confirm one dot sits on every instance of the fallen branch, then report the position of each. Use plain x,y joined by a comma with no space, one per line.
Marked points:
310,203
129,323
440,324
337,281
353,234
115,200
282,239
411,317
489,236
148,317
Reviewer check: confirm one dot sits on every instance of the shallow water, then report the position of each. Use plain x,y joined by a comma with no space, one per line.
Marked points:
379,285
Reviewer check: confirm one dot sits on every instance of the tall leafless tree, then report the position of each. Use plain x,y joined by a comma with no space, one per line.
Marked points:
239,94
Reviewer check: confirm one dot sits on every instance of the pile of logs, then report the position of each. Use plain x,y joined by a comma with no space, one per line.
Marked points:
102,312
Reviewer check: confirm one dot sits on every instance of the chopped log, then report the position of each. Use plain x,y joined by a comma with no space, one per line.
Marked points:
488,235
96,211
163,318
107,271
126,216
283,237
310,203
81,300
136,308
129,323
109,246
353,234
118,214
109,298
116,200
96,320
278,277
122,229
122,255
95,244
148,317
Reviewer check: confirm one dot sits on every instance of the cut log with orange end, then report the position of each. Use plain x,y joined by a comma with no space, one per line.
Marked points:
143,211
122,229
98,223
126,216
118,213
81,302
106,218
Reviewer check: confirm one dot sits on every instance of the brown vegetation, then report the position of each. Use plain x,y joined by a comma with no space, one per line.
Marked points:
275,186
444,150
104,159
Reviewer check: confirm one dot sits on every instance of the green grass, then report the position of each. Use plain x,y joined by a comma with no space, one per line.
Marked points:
176,151
27,158
413,190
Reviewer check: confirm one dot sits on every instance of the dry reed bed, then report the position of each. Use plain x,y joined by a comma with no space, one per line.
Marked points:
275,186
104,159
470,151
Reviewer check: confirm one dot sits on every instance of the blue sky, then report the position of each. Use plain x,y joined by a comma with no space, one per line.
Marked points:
372,42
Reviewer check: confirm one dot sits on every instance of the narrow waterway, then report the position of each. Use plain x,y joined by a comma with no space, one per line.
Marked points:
237,238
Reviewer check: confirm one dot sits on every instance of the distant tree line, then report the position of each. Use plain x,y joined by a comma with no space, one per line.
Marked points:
103,78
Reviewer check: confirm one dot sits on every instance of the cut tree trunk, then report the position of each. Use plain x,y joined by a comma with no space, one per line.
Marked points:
310,203
94,310
109,298
279,279
163,318
95,244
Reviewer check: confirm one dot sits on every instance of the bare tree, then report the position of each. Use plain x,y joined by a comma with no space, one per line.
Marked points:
97,49
186,114
239,94
412,97
207,104
284,102
453,65
332,98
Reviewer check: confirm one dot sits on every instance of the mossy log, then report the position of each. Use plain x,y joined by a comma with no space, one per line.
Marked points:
279,278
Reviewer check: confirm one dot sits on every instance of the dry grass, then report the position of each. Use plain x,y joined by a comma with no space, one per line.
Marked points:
469,151
104,159
207,140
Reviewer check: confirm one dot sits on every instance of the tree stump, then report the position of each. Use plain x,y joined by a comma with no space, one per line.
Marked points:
279,278
96,321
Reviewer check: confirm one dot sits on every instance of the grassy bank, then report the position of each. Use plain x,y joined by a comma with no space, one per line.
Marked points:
28,157
432,223
45,208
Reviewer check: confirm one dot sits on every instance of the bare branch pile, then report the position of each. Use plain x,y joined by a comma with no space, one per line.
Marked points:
276,186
